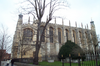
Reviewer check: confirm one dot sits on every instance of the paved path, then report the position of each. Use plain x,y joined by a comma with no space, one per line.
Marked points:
3,63
23,64
13,65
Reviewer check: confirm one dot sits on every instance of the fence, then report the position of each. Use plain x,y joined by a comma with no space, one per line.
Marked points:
24,60
89,60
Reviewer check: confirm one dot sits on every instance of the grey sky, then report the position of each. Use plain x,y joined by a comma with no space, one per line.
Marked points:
80,11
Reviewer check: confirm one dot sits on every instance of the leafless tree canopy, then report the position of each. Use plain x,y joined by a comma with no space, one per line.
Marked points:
42,9
5,41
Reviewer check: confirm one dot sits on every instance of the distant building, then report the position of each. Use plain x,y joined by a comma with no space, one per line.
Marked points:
5,56
25,37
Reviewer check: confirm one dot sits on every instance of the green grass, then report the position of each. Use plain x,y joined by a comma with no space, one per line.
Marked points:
58,63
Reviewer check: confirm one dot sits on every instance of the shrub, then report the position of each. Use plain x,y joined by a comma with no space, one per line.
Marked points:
70,48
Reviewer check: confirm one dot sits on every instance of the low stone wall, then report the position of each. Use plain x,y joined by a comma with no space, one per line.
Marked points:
23,64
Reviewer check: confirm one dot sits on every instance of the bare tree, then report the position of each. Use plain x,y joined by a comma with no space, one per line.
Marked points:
5,40
95,44
39,8
93,40
44,46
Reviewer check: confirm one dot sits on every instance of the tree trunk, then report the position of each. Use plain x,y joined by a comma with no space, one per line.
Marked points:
0,61
35,61
96,56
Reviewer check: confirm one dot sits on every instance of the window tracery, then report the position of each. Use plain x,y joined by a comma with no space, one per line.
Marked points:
27,34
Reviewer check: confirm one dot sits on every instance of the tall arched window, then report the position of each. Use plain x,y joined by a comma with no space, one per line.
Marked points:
27,34
41,30
51,34
86,35
66,34
73,35
80,34
59,35
91,35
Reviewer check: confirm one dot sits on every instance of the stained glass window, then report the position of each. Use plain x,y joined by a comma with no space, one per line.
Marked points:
27,34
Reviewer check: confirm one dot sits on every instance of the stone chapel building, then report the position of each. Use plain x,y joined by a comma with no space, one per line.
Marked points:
25,37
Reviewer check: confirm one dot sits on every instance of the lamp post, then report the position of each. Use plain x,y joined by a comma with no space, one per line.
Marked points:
70,59
62,60
79,59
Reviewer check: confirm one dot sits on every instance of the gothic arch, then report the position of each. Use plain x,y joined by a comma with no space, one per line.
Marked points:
80,34
27,34
51,25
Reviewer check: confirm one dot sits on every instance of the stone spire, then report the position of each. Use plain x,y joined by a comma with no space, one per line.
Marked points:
33,19
92,25
69,23
62,21
20,19
87,26
29,19
55,20
76,24
81,25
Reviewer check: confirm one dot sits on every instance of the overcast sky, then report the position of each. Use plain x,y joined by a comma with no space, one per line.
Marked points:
80,11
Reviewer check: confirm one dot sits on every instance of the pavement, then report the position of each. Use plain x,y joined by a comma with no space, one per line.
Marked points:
3,63
13,65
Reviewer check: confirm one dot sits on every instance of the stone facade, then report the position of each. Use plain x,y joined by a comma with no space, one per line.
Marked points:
24,45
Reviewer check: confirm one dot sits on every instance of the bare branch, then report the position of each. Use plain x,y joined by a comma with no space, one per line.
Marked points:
38,10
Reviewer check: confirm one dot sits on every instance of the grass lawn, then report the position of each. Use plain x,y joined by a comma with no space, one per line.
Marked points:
58,63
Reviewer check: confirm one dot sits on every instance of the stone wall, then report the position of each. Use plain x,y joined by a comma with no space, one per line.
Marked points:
24,64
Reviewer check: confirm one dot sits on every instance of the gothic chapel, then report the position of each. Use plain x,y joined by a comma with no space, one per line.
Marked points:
25,38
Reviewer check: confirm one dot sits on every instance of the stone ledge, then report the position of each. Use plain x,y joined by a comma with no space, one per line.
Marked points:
50,61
